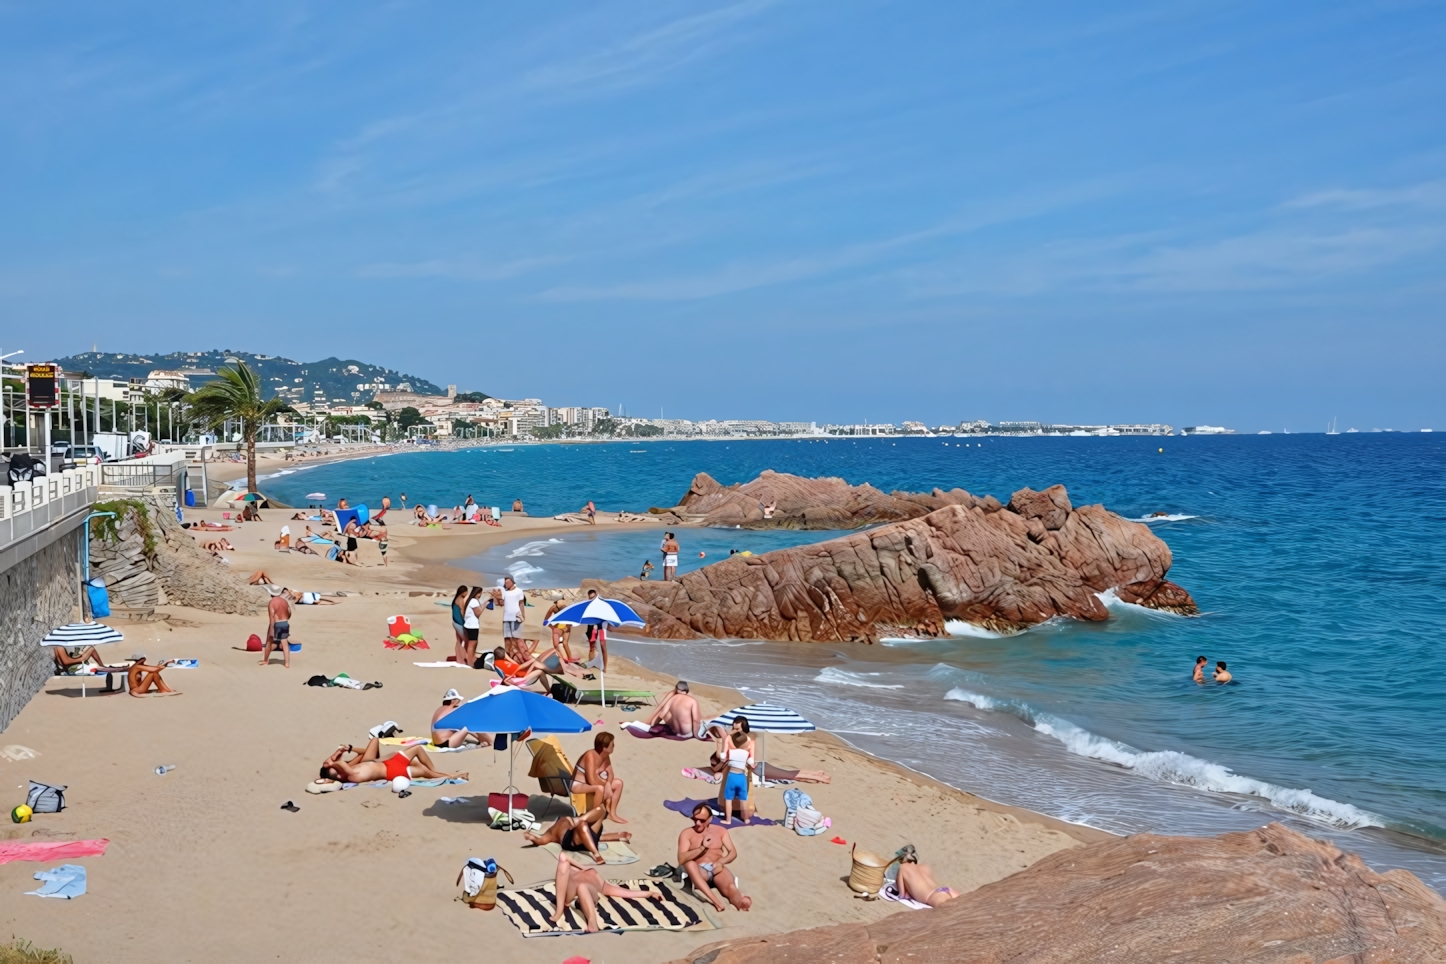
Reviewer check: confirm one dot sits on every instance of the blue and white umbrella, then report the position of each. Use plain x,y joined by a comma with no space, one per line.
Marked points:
82,634
597,612
763,718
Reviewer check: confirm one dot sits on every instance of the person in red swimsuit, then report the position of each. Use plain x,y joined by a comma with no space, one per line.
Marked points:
367,765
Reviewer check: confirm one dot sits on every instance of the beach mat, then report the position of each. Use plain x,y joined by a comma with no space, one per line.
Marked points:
48,850
316,786
530,908
615,852
685,807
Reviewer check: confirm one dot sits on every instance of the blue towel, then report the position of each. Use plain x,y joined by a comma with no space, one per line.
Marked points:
67,880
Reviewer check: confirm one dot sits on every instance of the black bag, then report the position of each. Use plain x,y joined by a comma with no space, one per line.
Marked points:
43,798
564,694
318,680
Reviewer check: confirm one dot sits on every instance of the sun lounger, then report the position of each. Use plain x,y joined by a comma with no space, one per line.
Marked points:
553,772
570,692
107,671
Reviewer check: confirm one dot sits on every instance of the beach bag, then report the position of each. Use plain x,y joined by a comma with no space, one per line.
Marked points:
808,822
253,644
490,604
792,800
867,875
479,882
43,798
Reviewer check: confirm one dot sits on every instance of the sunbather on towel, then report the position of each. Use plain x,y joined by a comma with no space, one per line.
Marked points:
366,765
704,852
585,886
580,834
520,675
677,714
916,881
72,661
454,738
595,773
142,677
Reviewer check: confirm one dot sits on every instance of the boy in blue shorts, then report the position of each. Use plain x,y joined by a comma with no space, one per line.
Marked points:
735,783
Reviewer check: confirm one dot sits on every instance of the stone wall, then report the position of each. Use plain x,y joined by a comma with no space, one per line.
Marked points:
36,595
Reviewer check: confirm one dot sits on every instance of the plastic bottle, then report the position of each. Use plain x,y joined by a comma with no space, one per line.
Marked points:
163,770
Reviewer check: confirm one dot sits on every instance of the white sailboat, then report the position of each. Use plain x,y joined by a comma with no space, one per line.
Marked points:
1331,428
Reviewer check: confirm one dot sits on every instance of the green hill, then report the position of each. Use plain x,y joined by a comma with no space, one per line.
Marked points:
338,381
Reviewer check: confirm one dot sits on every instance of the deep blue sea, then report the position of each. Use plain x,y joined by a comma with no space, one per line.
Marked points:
1319,562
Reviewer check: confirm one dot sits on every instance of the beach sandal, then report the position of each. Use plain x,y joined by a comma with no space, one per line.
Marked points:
288,805
663,870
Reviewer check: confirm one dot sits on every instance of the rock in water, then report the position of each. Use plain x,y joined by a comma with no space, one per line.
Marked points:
1000,567
1270,895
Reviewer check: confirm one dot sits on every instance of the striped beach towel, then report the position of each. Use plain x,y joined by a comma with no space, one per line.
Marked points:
529,910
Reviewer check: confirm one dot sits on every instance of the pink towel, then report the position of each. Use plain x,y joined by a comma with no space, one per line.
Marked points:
50,850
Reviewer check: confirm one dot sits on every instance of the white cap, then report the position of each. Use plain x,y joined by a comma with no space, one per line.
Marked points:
451,695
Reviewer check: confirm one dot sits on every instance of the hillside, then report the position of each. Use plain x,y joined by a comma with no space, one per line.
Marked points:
343,381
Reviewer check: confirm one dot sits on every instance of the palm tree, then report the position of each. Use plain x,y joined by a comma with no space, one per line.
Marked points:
236,394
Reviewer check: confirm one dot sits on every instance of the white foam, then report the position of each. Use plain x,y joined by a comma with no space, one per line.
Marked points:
958,627
839,677
1176,768
532,548
1171,517
522,572
1112,600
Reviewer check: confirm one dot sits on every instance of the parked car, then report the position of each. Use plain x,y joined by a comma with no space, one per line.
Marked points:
87,454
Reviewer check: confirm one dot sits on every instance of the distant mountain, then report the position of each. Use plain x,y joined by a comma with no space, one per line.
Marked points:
338,381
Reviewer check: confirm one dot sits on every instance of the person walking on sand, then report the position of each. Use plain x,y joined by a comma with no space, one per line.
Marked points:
670,556
704,853
591,511
278,630
512,610
561,635
1199,674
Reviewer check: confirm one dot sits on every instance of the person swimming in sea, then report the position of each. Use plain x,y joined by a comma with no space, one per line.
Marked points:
1199,674
1222,675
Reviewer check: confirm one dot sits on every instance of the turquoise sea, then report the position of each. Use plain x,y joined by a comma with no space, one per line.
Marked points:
1319,562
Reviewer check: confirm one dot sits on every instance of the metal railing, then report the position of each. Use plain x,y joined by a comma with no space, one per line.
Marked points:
141,475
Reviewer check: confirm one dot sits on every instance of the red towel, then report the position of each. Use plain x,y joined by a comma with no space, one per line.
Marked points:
48,851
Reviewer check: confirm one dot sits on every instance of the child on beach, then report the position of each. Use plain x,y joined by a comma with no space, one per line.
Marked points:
647,569
735,784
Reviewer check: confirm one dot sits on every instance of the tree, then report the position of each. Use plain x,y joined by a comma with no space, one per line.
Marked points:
236,394
408,417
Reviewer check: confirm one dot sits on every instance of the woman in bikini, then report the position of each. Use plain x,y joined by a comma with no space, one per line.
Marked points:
578,834
916,881
366,765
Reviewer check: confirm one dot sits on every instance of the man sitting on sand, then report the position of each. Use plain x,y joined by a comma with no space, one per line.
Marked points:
366,765
578,834
595,773
916,881
582,884
677,714
142,677
454,738
704,852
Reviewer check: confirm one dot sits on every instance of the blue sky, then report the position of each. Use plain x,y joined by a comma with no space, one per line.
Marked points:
1189,212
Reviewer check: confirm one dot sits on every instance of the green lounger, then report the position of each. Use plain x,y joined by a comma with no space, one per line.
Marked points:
570,692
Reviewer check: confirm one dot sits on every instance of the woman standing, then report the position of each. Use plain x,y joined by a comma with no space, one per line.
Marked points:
471,622
458,599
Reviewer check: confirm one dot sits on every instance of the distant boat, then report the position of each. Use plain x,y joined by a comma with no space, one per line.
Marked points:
1352,431
1331,428
1263,433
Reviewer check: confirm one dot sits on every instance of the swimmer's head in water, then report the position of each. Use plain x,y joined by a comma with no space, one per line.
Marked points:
1220,665
1200,659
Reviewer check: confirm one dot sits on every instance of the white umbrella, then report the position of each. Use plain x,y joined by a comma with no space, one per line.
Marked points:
601,613
82,634
764,718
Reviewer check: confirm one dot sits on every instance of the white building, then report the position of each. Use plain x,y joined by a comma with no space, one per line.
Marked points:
162,379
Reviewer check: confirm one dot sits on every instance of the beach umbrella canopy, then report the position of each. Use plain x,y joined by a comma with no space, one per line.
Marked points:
764,718
512,710
597,612
507,709
82,634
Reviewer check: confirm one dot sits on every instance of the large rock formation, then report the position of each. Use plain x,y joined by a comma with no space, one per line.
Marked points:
1000,567
1270,895
778,501
147,559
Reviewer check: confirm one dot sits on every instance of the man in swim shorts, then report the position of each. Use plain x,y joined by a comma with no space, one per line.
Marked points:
670,556
366,765
677,714
704,853
278,630
1199,675
1222,675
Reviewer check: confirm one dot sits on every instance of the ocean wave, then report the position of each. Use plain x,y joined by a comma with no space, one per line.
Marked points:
1112,600
522,572
532,548
958,627
1175,768
839,677
1170,517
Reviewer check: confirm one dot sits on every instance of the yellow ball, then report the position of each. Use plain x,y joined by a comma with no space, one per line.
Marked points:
21,814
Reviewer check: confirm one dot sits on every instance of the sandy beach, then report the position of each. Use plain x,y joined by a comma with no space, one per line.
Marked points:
203,864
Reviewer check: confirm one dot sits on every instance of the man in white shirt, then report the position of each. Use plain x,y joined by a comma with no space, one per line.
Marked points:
512,610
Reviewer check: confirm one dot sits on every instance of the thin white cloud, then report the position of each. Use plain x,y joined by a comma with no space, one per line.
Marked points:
461,270
1430,194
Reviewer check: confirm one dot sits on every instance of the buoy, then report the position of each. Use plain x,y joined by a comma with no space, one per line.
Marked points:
1162,450
21,814
702,555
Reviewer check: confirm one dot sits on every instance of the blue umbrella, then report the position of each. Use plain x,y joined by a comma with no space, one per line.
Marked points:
510,710
597,612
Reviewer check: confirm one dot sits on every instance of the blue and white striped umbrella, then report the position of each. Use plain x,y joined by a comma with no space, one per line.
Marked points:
597,612
82,634
766,718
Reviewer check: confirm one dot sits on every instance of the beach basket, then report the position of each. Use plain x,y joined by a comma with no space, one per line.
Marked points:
867,875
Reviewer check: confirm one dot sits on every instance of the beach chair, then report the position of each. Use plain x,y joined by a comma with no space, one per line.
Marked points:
398,625
553,772
566,690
